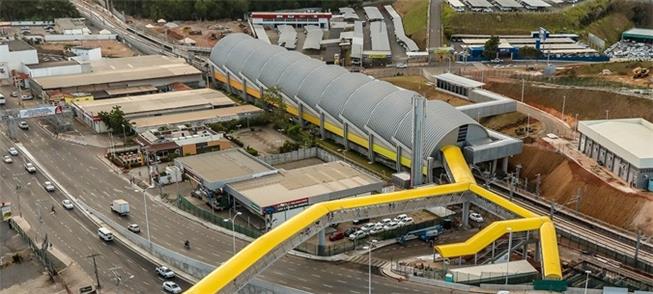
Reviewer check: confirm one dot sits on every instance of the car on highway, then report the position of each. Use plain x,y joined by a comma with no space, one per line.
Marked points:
391,226
7,159
165,272
171,287
337,235
48,186
13,151
29,167
23,125
67,204
134,228
402,65
475,216
357,235
105,234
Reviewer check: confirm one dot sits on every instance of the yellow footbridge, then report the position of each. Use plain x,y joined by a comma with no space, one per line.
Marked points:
233,274
229,272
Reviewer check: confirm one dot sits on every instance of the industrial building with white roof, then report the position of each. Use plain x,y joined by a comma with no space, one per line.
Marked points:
375,116
624,146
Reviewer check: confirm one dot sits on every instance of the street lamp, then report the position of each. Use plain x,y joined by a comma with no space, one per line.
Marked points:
509,249
284,206
124,137
147,220
587,280
369,260
233,228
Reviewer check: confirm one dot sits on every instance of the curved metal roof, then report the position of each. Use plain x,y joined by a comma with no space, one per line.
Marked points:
317,81
367,103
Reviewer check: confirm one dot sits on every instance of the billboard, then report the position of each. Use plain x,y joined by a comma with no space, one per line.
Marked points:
40,111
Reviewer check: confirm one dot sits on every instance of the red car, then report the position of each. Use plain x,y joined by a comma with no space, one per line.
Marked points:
335,236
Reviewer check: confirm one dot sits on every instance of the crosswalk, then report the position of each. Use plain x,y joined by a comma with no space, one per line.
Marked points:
363,259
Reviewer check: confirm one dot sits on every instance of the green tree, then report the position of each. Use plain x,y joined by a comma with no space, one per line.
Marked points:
491,47
276,107
115,120
529,52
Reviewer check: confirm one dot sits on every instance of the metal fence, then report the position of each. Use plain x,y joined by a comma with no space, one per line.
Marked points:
299,154
213,218
52,265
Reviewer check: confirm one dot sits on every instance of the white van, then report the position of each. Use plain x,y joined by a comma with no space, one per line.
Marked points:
105,234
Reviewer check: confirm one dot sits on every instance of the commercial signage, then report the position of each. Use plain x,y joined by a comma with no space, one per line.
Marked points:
286,205
40,111
5,209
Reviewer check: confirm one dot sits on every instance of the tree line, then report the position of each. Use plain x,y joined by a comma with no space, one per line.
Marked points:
36,9
218,9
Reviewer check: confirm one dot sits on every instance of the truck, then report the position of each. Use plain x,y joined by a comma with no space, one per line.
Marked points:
3,101
120,207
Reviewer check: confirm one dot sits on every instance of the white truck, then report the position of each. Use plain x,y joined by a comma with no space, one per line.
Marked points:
3,101
120,207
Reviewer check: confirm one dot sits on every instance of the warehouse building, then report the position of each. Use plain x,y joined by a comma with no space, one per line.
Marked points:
638,35
283,194
374,117
14,54
153,105
294,19
623,146
196,118
180,141
124,75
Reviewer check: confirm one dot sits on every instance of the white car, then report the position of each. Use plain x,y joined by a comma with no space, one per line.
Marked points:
7,159
391,226
368,226
29,167
171,287
27,97
378,228
67,204
406,221
165,272
386,221
475,216
48,186
23,125
357,235
400,217
13,151
134,228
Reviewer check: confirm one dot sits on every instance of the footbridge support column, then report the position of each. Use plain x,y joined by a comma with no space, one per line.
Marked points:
322,132
300,114
429,169
320,242
398,159
345,136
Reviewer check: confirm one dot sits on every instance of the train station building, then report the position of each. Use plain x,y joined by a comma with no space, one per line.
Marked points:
623,146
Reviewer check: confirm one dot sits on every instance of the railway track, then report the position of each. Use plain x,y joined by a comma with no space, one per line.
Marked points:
581,228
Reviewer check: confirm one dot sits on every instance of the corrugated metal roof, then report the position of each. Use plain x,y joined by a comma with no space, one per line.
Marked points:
536,3
287,36
458,80
369,104
508,3
373,13
639,32
456,3
408,43
478,3
357,41
630,139
348,12
261,34
313,37
379,36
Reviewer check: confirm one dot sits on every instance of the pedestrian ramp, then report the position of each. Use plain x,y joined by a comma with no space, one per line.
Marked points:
365,260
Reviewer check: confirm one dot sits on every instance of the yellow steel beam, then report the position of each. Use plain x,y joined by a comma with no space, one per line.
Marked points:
550,255
457,165
503,202
490,233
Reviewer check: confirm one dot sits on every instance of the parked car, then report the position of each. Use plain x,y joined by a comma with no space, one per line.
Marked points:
26,97
171,287
14,94
358,221
377,229
400,217
351,230
29,167
357,235
13,151
134,228
402,65
368,226
406,221
386,221
7,159
475,216
67,204
23,125
337,235
48,186
391,226
165,272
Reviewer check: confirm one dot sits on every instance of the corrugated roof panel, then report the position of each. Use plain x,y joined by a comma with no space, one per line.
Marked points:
361,103
273,69
258,59
317,81
387,115
295,74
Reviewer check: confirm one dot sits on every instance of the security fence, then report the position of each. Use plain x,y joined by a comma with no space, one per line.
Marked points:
213,218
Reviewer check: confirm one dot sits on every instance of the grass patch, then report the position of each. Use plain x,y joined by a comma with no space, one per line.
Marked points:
414,15
610,27
569,19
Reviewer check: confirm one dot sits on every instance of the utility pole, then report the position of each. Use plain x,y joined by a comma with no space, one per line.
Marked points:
564,100
97,277
523,85
639,240
579,196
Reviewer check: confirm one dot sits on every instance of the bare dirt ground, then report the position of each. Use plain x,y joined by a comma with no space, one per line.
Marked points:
264,140
110,48
562,177
210,31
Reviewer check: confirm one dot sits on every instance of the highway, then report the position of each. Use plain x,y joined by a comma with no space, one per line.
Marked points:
435,24
72,233
81,172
